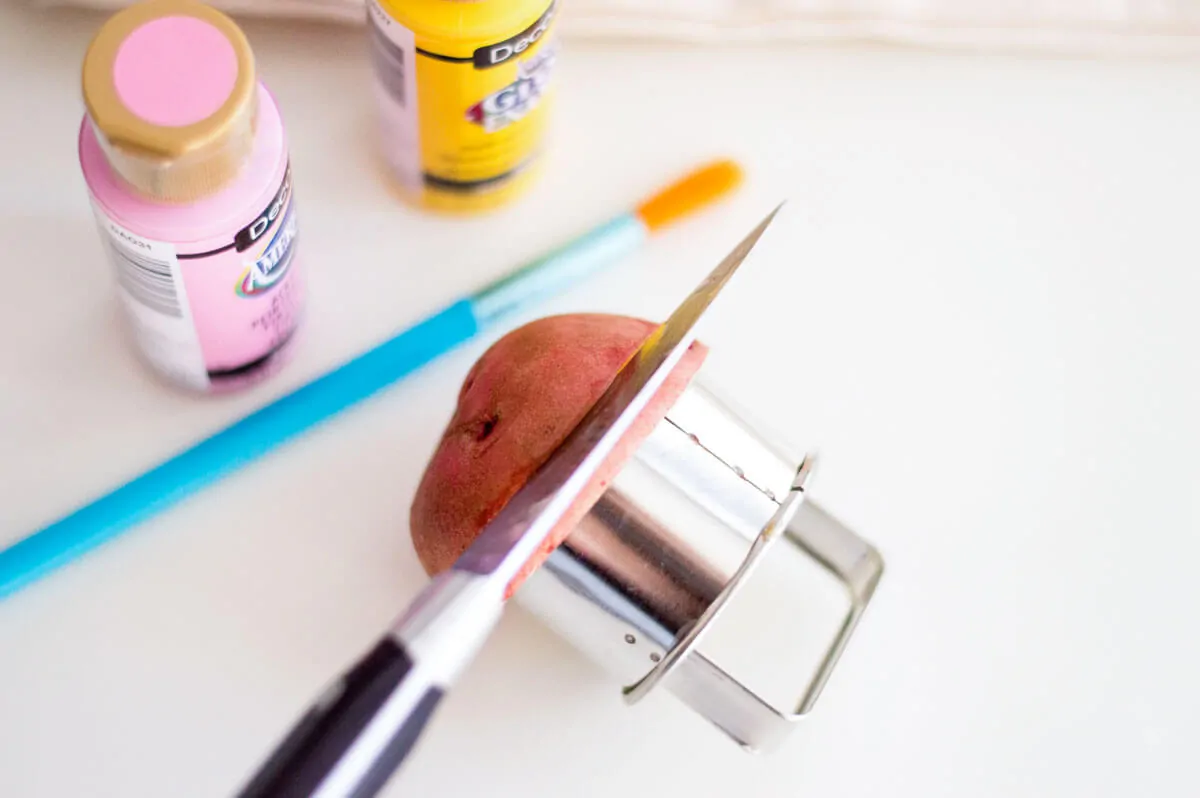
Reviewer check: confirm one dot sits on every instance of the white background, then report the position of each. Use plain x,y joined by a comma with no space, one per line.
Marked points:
982,298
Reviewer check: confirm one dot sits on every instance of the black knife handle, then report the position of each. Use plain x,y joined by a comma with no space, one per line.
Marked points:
322,740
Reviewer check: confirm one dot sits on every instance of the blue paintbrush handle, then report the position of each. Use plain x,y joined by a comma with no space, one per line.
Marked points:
560,268
264,430
234,446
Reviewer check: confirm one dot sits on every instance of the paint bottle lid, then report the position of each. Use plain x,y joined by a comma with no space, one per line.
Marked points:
169,87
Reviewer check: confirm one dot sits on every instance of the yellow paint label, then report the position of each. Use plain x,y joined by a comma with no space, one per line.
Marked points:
463,90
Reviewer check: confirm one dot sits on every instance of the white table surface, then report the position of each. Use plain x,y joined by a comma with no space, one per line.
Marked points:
983,295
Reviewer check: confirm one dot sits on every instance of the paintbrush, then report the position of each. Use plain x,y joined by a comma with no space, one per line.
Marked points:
273,425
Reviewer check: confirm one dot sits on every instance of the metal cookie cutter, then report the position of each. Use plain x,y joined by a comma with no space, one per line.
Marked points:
672,540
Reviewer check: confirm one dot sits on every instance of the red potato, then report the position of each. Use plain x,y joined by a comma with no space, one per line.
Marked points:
518,403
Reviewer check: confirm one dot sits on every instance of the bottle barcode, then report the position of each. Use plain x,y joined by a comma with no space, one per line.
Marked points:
388,58
148,280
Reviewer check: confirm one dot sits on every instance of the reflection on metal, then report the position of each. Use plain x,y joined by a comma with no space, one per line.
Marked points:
647,572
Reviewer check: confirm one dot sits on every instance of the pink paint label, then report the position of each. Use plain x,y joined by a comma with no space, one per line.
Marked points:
218,318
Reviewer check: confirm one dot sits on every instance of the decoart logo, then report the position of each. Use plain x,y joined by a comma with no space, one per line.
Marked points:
270,267
255,230
496,54
511,103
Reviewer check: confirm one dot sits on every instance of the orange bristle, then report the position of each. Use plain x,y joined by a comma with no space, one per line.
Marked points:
699,188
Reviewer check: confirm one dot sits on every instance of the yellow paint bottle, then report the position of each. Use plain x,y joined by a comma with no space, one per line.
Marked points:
463,90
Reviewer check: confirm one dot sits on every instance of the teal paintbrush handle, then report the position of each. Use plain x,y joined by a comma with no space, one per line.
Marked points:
561,268
234,447
275,424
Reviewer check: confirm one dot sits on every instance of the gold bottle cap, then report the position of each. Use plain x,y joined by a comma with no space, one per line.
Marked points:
171,92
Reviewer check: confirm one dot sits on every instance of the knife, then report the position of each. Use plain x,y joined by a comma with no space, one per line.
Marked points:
354,737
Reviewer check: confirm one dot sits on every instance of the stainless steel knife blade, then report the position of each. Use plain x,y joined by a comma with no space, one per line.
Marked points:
521,527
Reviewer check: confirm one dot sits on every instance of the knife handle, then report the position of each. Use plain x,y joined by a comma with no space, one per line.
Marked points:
355,736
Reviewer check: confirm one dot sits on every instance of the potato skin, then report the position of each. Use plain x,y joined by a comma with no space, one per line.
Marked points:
517,404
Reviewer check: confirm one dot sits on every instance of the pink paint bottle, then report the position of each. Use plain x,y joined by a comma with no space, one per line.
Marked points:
186,162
